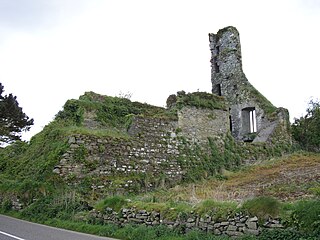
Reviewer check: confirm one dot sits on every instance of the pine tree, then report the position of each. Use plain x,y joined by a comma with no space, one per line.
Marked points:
13,121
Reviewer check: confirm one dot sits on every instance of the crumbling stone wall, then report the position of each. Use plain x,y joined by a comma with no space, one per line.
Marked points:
148,157
252,116
199,124
152,150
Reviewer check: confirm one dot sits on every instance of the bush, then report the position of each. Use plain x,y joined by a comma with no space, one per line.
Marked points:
306,216
115,202
220,210
306,130
6,205
263,207
62,206
284,234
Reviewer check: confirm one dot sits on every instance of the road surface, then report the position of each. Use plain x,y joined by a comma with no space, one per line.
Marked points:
14,229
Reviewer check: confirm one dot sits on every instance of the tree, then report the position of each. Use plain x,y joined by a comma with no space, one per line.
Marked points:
12,119
306,130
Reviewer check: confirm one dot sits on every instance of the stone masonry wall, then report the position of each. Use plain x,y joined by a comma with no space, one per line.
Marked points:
199,124
150,149
147,158
237,225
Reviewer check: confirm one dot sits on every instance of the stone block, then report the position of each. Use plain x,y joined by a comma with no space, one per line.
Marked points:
210,227
275,225
240,224
216,225
233,233
232,228
252,225
253,219
190,220
251,231
190,225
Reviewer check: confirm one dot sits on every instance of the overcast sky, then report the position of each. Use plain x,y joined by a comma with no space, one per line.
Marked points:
55,50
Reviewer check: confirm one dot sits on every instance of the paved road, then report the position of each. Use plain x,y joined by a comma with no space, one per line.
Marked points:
14,229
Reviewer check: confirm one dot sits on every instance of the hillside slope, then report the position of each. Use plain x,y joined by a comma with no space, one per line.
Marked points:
293,177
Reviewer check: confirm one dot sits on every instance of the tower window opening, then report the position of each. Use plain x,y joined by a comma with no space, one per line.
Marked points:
219,89
216,66
249,124
249,120
253,121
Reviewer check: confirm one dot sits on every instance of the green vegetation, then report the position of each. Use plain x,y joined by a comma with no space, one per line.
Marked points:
306,216
218,210
264,103
306,130
263,207
26,169
13,120
116,203
196,99
66,208
112,113
214,183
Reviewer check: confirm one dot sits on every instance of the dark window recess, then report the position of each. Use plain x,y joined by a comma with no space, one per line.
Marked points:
216,66
219,89
215,60
230,122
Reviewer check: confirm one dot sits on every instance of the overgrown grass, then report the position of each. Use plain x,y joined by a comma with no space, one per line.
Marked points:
115,202
104,132
306,216
200,100
269,178
130,232
263,207
218,210
26,168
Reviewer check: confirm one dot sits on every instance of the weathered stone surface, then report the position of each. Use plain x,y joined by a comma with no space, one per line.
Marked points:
253,219
232,228
252,225
233,233
250,112
199,124
251,231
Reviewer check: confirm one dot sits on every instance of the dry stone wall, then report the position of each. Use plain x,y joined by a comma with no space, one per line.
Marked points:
236,225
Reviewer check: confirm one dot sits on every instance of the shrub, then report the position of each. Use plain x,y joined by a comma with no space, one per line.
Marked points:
284,234
6,205
306,216
115,202
306,130
263,207
219,210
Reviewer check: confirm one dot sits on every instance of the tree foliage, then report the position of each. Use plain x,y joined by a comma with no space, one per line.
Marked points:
12,119
306,130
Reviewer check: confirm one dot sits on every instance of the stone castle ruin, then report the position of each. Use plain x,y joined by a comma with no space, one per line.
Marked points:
155,147
252,117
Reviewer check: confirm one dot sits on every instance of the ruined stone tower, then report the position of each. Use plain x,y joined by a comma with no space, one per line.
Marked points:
252,116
